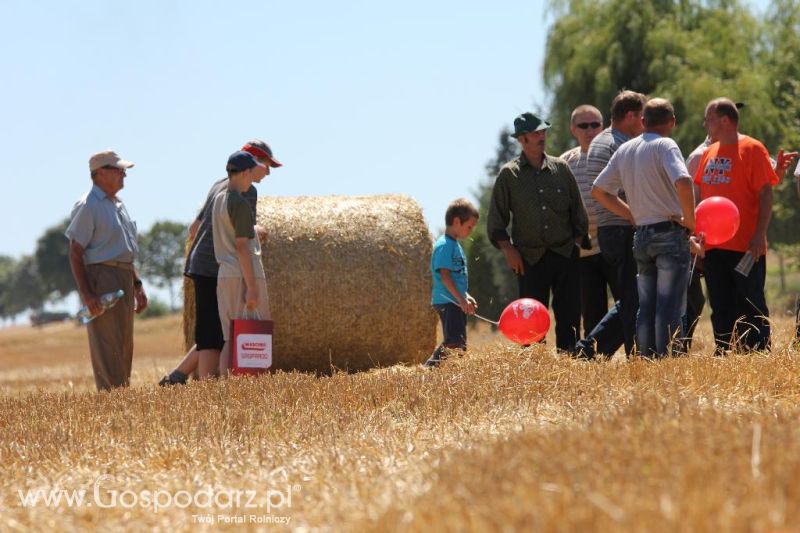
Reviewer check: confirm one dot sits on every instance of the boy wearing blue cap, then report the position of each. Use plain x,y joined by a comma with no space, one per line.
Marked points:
450,298
241,281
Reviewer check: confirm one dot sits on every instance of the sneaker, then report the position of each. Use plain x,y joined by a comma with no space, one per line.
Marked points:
175,378
435,360
431,363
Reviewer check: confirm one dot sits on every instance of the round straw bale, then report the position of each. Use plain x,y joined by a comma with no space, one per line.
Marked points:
349,281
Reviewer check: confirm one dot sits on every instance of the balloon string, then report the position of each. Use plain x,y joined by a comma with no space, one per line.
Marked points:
691,270
476,315
694,261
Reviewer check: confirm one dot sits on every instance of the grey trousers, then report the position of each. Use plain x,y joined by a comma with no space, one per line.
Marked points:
111,334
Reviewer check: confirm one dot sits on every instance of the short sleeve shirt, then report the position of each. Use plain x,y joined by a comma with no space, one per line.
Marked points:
737,172
600,151
103,227
647,168
241,218
448,254
693,161
232,219
201,261
577,161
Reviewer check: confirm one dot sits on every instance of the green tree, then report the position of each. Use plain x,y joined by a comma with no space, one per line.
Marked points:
161,255
52,261
783,59
7,266
669,48
25,288
491,282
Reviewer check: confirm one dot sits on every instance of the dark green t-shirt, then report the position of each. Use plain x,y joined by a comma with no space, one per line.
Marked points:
241,216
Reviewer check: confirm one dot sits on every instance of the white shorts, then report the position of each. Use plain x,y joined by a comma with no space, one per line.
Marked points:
230,299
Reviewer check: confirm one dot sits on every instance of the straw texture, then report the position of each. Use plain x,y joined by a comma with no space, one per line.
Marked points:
349,282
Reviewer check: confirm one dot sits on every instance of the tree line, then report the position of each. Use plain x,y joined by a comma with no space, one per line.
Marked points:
31,281
687,51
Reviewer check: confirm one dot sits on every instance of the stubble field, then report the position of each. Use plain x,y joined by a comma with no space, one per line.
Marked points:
502,439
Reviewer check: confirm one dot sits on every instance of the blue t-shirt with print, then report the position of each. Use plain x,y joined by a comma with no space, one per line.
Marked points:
448,253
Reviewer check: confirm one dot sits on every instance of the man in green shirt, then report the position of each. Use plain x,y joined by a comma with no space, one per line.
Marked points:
539,193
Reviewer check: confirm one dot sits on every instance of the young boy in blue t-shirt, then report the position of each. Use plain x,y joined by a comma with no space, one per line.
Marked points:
450,298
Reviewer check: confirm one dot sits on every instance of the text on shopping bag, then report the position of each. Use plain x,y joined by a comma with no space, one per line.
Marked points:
254,350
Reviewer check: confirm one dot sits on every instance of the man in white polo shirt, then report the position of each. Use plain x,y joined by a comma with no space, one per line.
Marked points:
660,203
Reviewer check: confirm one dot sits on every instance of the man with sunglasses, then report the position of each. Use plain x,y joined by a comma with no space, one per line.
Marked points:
597,274
202,268
102,248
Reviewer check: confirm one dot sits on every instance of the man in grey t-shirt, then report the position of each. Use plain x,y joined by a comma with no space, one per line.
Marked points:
660,203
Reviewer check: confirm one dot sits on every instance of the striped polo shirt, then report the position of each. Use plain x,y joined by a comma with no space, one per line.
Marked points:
576,159
600,151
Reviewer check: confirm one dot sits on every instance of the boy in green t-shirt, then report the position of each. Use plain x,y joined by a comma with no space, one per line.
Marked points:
241,282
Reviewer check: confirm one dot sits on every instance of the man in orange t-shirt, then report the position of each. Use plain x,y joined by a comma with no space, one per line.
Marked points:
737,167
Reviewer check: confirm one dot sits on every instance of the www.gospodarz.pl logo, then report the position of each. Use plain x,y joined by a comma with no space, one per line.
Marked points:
104,495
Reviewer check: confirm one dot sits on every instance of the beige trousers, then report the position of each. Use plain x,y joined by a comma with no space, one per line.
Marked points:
111,334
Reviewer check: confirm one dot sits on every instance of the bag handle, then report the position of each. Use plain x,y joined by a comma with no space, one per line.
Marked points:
246,315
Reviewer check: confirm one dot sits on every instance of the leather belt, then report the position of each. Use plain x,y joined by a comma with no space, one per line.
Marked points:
660,227
118,264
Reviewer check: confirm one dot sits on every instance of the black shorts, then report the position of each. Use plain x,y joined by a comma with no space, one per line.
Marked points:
207,329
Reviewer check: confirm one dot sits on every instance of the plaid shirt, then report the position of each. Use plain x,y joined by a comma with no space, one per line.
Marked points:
544,204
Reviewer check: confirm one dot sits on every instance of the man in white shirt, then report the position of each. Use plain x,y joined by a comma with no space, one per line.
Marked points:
660,203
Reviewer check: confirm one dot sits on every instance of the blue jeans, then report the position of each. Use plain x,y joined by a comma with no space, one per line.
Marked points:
662,258
605,338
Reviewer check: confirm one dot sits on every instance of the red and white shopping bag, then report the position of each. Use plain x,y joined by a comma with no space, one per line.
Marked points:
251,345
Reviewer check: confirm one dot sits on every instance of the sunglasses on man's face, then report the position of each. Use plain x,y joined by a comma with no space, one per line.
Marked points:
112,167
587,125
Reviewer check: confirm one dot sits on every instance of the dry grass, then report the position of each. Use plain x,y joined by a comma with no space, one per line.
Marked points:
501,439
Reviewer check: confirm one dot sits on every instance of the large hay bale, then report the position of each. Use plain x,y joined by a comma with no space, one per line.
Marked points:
349,281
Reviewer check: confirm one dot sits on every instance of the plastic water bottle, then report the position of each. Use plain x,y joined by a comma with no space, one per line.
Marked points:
745,264
107,301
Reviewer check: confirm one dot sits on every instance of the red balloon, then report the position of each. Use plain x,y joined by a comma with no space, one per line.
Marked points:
717,218
525,321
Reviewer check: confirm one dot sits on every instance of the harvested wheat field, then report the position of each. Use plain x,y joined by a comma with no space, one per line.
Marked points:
502,439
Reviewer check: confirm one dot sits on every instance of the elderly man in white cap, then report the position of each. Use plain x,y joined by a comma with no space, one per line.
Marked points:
102,248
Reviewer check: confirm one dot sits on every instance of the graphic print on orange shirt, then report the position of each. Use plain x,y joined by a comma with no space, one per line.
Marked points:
737,172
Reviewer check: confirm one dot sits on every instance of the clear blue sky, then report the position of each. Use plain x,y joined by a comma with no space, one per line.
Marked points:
355,97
